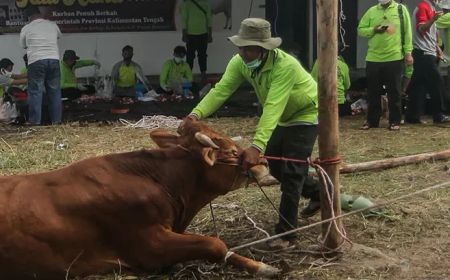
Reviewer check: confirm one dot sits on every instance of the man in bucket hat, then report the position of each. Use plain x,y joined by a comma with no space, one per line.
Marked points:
288,124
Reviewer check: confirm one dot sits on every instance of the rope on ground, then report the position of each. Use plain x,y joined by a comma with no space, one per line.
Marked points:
434,187
153,122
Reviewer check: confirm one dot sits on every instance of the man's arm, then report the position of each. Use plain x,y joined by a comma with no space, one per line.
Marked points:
230,81
19,82
364,27
19,76
163,77
423,20
184,20
407,45
444,21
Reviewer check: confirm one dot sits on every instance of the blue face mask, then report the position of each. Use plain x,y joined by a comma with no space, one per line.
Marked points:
254,64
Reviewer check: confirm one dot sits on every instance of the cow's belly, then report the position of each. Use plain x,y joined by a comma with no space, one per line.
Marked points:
35,238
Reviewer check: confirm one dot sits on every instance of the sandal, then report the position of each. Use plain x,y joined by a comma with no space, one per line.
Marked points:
365,126
394,127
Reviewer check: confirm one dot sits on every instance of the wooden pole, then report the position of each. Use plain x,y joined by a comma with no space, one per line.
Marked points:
327,11
393,162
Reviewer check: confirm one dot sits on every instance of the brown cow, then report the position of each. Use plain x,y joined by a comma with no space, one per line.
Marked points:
131,208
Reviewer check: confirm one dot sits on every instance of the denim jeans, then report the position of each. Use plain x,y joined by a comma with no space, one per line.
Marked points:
44,78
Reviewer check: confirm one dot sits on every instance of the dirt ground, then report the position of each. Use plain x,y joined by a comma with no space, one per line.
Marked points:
411,241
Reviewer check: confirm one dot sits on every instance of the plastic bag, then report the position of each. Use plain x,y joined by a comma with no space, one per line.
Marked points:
8,112
104,87
359,106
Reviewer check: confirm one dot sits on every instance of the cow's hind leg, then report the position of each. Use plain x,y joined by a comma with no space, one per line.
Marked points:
171,248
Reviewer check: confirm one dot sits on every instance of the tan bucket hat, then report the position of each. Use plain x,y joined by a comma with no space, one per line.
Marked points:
255,32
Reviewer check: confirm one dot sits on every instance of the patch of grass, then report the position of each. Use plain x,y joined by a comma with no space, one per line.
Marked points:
417,235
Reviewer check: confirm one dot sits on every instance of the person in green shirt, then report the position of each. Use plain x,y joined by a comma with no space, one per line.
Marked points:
70,88
386,57
126,73
175,72
443,23
342,84
288,124
196,18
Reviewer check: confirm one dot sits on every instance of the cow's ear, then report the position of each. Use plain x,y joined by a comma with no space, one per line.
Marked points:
209,155
164,139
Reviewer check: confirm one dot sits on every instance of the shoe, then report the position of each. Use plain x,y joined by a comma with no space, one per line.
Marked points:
279,244
311,209
394,127
441,119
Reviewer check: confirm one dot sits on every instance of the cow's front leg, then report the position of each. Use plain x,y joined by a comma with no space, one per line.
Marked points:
171,248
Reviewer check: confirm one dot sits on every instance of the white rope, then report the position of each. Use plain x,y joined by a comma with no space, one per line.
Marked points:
342,19
229,254
434,187
153,122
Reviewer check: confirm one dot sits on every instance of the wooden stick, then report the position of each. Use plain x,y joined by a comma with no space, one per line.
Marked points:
328,114
393,162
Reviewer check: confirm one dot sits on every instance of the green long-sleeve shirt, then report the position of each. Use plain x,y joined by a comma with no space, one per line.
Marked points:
343,78
284,88
386,46
444,23
68,78
171,71
193,19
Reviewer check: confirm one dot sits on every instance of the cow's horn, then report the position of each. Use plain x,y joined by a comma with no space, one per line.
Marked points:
205,140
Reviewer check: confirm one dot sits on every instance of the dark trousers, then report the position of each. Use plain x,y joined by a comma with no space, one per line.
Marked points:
389,75
74,93
426,78
199,44
292,142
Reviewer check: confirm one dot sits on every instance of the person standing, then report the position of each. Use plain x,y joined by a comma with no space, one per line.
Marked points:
426,75
387,26
288,124
196,18
40,39
443,23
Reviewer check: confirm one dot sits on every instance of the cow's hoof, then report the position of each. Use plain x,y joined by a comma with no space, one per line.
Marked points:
267,270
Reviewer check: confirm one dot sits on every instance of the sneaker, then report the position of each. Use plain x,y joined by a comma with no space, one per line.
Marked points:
441,119
311,209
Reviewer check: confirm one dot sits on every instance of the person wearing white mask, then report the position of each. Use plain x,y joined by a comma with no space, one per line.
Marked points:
175,71
288,125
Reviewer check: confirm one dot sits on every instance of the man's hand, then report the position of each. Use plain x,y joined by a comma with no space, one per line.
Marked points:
380,28
81,87
191,118
6,73
409,59
437,15
250,157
